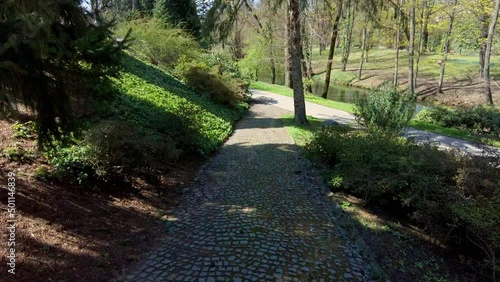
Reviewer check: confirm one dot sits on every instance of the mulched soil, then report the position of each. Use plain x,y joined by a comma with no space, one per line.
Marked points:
65,233
405,252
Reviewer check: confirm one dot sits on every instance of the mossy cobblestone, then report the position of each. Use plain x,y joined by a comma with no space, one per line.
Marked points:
257,212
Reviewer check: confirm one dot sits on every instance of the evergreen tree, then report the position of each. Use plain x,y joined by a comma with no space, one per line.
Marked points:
51,52
181,12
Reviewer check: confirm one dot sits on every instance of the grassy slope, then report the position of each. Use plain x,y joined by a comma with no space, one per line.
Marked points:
154,99
452,132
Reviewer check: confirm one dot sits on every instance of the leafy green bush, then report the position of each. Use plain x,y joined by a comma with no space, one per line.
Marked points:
478,120
158,43
385,109
25,130
120,146
202,79
454,197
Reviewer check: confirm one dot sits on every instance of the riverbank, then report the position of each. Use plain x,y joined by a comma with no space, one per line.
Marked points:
462,86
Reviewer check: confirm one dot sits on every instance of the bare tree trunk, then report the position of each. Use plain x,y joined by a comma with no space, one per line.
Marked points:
411,43
306,56
396,63
296,50
482,45
329,64
420,44
288,54
363,47
487,55
348,33
446,49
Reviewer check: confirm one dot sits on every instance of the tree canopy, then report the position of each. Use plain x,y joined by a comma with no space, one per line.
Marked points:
52,52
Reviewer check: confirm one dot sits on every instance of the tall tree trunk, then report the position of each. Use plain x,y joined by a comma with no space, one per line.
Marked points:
420,43
411,43
306,55
348,33
425,26
329,64
288,53
487,55
238,52
482,45
396,63
296,50
446,49
363,47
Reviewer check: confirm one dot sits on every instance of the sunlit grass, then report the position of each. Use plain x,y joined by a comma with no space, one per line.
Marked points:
301,133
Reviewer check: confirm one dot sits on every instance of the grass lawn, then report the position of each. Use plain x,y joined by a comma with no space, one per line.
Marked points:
382,61
285,91
301,133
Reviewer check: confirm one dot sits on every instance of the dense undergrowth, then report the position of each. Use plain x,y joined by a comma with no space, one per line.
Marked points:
151,120
143,121
453,197
484,121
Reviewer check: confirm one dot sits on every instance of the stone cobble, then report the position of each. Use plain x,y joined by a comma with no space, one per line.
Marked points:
255,213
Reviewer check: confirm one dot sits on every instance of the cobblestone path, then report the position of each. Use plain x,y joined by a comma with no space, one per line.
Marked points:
255,213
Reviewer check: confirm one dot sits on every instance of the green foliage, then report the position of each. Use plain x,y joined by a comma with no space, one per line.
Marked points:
479,120
119,146
71,164
179,12
385,109
454,197
25,130
222,65
51,53
151,121
200,78
17,153
158,43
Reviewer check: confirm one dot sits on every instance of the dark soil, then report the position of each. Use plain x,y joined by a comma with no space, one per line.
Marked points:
65,233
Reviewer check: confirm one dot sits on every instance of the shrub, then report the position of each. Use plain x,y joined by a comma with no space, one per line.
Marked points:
478,120
385,109
454,197
120,146
25,130
159,43
203,80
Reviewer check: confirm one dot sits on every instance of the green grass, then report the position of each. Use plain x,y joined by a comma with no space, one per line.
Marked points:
382,60
285,91
301,133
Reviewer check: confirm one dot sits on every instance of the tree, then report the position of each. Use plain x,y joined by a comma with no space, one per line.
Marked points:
52,52
446,48
411,44
333,40
181,12
487,55
293,26
363,50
